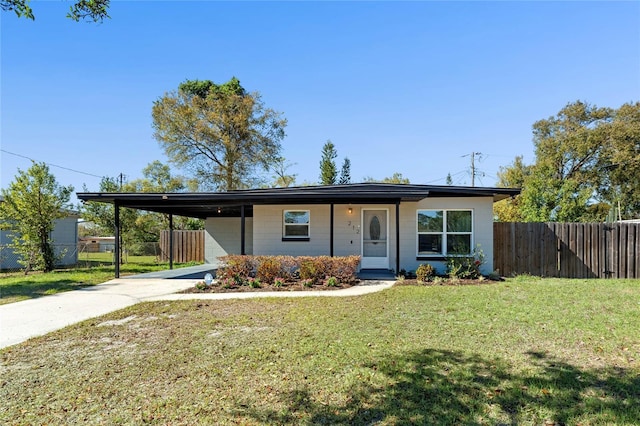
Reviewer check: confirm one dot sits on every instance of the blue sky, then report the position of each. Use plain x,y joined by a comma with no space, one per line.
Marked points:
409,87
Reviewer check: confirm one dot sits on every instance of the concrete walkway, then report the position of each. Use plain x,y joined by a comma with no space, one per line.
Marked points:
30,318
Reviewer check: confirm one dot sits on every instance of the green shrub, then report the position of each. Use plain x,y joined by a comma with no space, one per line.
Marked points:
253,282
425,272
331,282
465,267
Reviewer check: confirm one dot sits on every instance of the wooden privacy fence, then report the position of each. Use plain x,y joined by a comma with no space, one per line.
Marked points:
188,246
567,250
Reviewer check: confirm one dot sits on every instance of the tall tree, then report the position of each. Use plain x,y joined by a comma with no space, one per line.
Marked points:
449,180
345,172
396,178
81,10
513,176
587,161
328,170
282,179
31,205
221,133
619,166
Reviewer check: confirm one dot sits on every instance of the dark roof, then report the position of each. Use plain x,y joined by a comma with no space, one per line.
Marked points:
207,204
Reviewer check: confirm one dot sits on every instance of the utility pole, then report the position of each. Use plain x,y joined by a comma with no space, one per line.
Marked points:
473,166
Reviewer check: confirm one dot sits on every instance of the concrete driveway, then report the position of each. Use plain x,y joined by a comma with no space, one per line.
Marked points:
23,320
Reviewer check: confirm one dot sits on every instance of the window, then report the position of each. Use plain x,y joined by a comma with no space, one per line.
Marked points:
444,232
295,224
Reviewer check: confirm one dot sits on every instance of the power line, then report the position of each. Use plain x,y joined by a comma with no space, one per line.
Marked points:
51,164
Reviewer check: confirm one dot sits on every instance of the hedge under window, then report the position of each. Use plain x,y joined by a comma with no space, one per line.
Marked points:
444,232
296,224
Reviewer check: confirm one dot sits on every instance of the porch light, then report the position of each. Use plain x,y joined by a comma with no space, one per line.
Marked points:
350,210
219,210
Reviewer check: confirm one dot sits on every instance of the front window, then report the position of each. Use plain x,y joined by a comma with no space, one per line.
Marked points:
444,232
296,224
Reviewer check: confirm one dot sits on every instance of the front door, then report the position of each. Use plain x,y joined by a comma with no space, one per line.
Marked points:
375,248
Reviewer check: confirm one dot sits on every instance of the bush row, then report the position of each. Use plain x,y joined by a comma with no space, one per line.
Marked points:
278,269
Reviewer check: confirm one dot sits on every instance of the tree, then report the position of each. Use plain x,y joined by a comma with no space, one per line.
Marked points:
221,133
345,172
31,205
587,161
281,179
81,10
328,171
619,166
449,180
513,176
396,178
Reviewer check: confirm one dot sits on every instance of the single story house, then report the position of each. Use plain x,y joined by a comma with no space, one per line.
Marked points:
96,244
392,226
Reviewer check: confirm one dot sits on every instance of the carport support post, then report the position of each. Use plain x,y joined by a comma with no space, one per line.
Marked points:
116,208
170,241
331,231
397,237
242,230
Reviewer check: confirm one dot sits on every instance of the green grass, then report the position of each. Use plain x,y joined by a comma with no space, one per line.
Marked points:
526,351
16,286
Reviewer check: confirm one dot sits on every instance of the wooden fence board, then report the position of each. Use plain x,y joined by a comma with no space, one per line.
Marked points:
568,250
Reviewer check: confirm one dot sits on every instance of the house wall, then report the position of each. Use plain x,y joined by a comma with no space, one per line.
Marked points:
482,229
222,237
264,231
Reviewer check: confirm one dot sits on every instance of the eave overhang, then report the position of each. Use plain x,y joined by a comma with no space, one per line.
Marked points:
210,204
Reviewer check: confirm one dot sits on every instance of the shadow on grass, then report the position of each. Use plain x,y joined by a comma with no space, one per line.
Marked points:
443,387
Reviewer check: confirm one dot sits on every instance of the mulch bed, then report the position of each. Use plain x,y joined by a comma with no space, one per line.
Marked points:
319,287
263,288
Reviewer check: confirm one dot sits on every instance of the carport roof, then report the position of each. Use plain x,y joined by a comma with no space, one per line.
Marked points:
207,204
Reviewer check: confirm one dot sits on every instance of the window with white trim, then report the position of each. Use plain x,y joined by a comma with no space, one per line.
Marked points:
444,232
295,224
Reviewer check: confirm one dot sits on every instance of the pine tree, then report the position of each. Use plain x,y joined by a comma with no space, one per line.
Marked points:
328,171
345,173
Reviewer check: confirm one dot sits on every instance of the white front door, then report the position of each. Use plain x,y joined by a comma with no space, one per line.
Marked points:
375,247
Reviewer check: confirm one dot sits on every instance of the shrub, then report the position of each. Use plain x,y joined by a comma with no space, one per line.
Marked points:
331,282
310,269
234,266
306,283
425,272
278,282
271,267
200,285
253,282
465,267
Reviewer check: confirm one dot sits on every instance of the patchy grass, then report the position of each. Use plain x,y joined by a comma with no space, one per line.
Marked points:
524,351
15,286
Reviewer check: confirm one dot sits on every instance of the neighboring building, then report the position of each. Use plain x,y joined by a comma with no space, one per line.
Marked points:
96,244
391,226
65,241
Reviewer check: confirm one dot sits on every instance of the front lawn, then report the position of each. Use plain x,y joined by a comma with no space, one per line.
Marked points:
525,351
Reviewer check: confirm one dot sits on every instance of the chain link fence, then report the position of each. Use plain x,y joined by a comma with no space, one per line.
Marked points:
89,254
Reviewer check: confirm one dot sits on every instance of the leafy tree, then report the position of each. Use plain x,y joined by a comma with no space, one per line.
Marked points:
32,204
345,172
587,160
449,180
619,166
85,10
221,133
395,178
328,170
281,178
513,176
